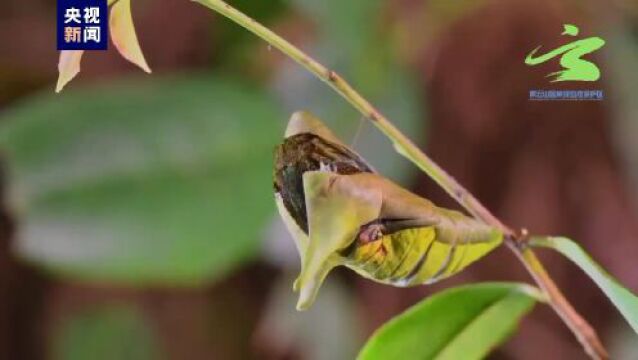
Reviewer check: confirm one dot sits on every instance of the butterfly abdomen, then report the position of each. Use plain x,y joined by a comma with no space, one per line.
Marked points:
415,256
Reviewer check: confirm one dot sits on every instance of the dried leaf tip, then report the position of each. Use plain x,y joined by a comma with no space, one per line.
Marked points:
123,36
68,67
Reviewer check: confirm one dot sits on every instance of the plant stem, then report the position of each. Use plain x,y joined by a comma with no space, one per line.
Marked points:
585,334
583,331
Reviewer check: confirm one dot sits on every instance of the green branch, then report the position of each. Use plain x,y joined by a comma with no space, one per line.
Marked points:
583,331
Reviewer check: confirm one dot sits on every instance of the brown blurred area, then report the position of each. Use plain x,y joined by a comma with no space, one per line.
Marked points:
550,167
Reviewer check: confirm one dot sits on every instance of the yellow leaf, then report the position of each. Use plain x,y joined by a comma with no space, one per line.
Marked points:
68,67
123,34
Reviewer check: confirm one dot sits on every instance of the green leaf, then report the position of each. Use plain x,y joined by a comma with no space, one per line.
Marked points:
161,181
114,332
461,323
623,299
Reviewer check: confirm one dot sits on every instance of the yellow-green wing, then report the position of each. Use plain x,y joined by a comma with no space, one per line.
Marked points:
421,255
337,207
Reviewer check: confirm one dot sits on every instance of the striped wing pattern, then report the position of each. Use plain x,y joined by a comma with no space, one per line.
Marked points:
416,256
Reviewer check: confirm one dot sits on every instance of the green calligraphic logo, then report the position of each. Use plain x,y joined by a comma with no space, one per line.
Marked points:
574,68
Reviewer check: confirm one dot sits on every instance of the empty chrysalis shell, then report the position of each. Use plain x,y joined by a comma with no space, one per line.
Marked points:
341,212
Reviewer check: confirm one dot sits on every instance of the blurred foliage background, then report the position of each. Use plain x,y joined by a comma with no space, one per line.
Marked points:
138,219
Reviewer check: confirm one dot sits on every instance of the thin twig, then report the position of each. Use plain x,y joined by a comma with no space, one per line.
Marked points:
583,331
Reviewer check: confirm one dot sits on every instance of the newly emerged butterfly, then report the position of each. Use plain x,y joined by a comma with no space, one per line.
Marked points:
341,212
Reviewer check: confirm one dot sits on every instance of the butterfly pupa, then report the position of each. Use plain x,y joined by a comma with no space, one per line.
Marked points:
340,211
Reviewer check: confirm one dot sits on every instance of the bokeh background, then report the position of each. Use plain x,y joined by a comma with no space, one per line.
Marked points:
137,213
